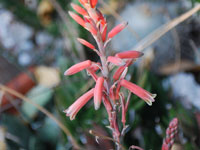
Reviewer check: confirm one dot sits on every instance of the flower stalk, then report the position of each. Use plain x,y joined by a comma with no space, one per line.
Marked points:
108,87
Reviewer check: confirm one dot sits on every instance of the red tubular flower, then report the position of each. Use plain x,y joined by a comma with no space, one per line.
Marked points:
98,92
79,9
121,69
77,18
117,91
95,66
108,106
93,14
170,135
115,60
83,2
78,67
118,73
91,28
112,92
86,43
104,32
140,92
117,29
93,3
78,104
129,54
123,109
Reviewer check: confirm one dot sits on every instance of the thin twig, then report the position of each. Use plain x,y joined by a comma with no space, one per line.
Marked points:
155,35
46,112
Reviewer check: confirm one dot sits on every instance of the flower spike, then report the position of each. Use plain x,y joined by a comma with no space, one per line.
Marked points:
129,54
78,104
171,132
98,92
117,29
78,67
140,92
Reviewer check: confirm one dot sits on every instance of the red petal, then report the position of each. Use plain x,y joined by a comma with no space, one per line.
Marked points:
91,28
79,9
104,33
117,29
98,92
93,3
112,92
115,60
78,67
120,70
86,43
83,2
78,104
140,92
129,54
77,18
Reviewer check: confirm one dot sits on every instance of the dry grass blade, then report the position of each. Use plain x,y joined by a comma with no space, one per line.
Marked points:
118,17
155,35
1,96
46,112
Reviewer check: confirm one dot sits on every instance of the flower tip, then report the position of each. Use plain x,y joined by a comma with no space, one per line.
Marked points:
72,4
149,103
66,73
154,96
96,107
141,54
70,12
65,111
125,23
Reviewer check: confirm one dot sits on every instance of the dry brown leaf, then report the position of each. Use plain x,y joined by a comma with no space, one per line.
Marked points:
44,11
47,76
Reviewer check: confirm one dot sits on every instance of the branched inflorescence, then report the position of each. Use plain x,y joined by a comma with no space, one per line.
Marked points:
107,89
171,132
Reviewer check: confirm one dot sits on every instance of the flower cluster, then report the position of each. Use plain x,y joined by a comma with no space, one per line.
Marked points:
171,132
107,89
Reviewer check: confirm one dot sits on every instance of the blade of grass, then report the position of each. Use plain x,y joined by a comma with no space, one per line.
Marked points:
45,111
156,34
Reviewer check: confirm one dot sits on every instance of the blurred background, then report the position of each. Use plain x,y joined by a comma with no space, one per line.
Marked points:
38,43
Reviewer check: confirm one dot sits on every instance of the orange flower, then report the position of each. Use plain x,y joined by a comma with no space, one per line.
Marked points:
78,67
140,92
78,104
98,92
